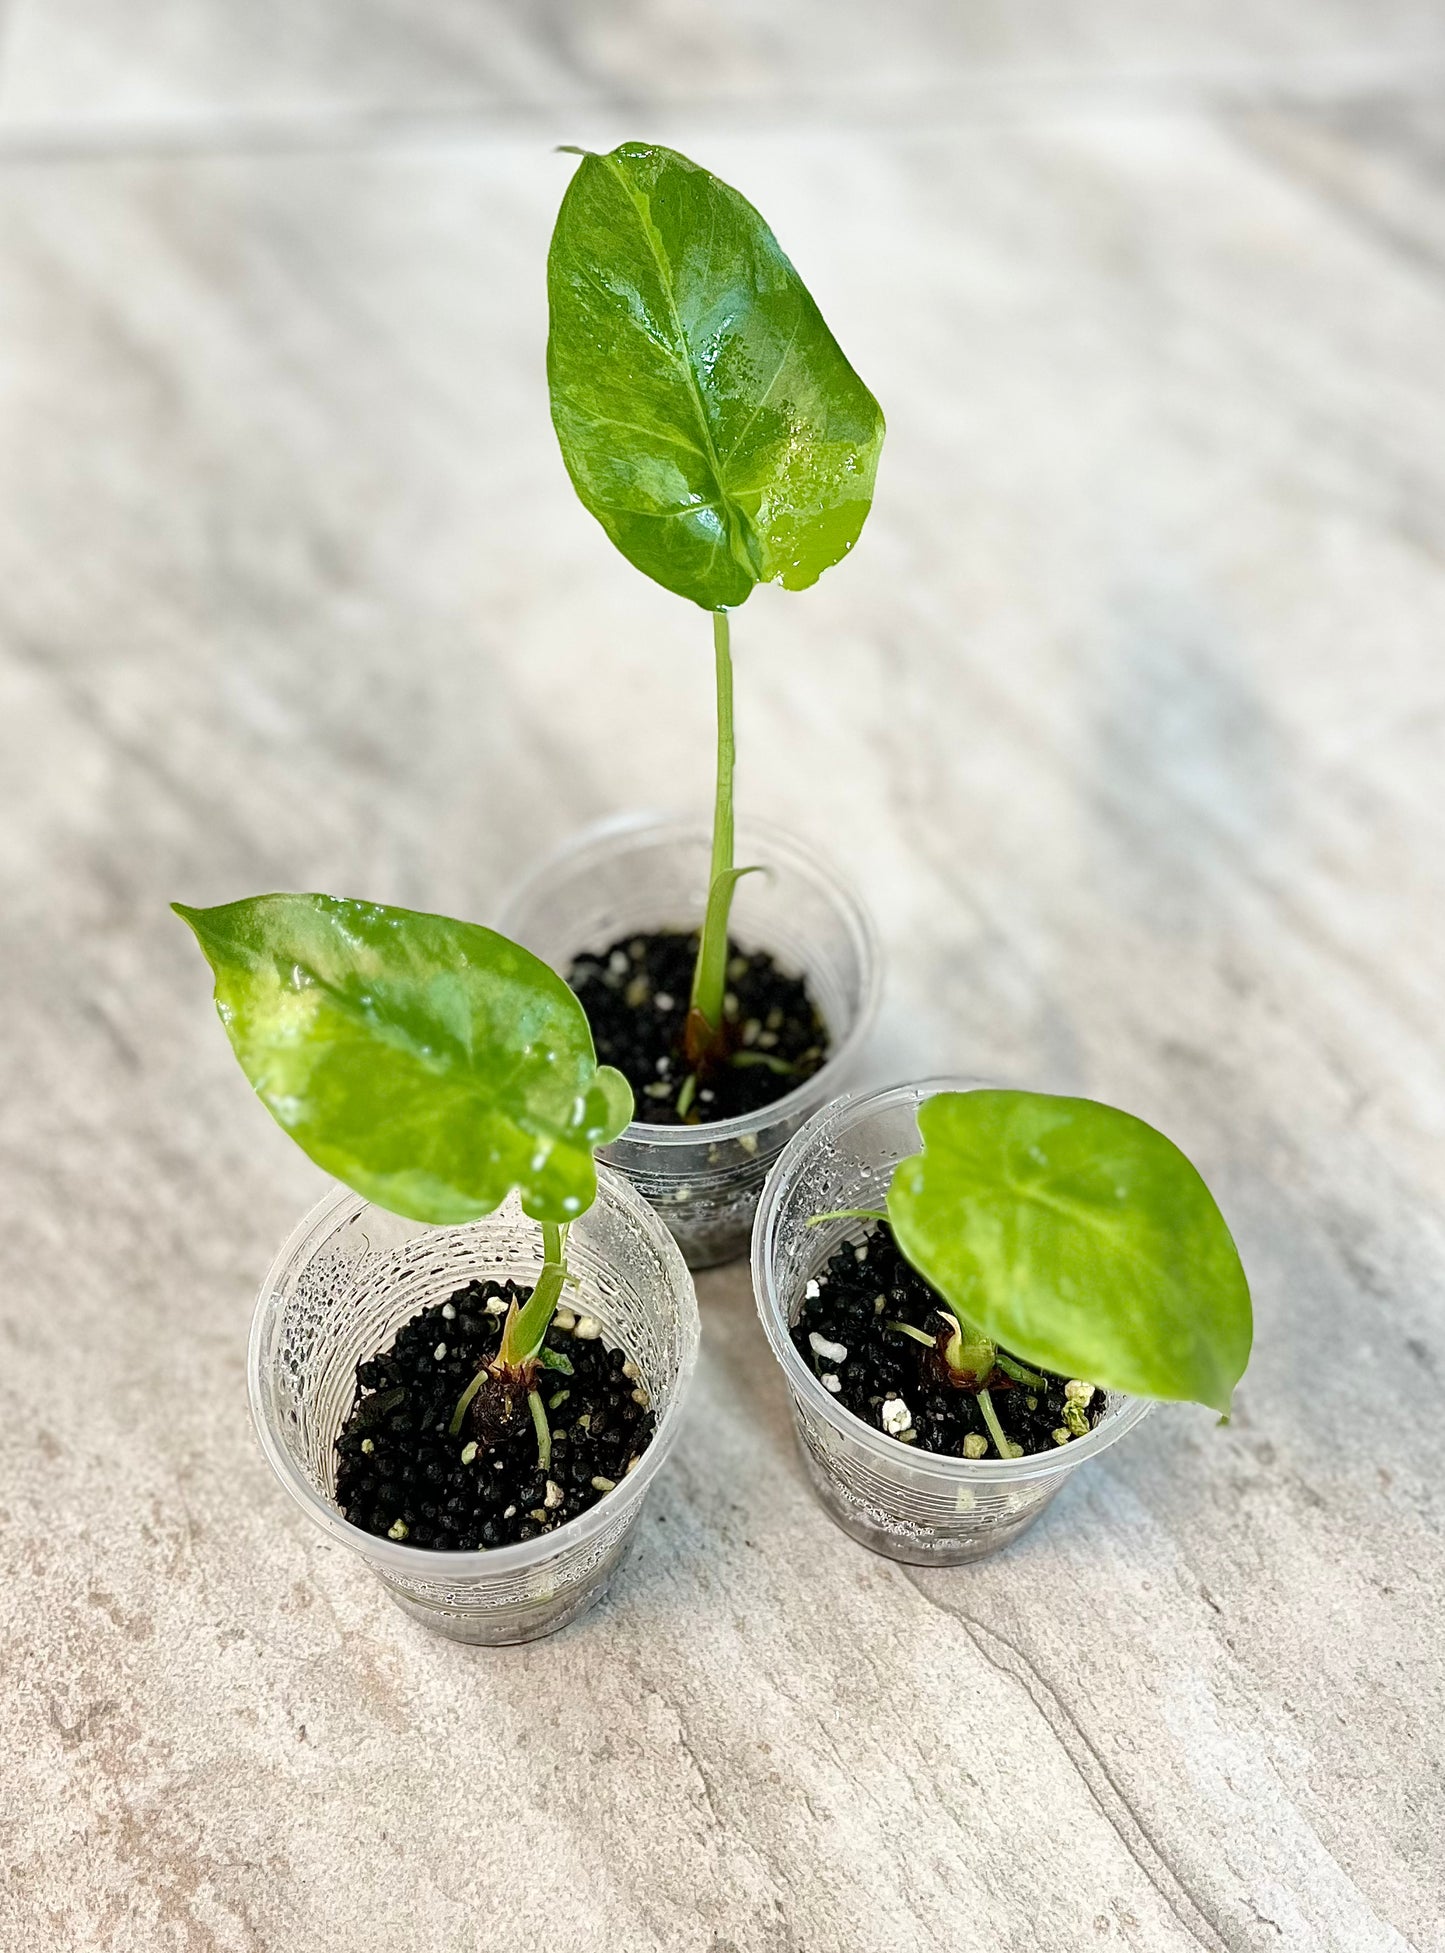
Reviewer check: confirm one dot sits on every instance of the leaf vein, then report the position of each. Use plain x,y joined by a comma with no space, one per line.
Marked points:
682,356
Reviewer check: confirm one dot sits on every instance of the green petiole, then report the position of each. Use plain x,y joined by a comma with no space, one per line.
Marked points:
1005,1446
526,1327
1016,1370
520,1352
464,1402
702,1035
709,979
779,1066
543,1429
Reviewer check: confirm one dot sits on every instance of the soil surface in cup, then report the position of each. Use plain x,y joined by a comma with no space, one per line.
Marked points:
402,1475
845,1334
636,995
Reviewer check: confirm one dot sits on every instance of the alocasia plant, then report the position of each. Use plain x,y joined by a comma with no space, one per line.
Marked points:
1077,1237
431,1065
710,422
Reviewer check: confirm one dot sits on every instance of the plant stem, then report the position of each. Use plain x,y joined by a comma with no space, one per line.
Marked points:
1016,1370
847,1214
464,1401
522,1337
709,980
524,1329
543,1429
1006,1449
722,812
779,1066
918,1335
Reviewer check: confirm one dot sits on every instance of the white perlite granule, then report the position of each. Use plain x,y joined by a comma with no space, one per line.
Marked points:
895,1417
830,1352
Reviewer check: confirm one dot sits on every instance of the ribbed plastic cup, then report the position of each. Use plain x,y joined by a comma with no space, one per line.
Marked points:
337,1293
644,872
907,1503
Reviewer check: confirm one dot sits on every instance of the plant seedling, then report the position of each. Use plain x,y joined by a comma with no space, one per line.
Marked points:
711,423
431,1065
1069,1235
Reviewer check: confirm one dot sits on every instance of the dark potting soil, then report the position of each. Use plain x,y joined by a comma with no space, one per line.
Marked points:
850,1305
635,994
401,1475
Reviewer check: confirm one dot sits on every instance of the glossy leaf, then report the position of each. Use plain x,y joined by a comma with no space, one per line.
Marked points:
432,1065
1079,1238
707,416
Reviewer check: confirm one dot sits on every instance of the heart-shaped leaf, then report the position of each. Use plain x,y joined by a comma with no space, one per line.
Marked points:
707,416
432,1065
1079,1238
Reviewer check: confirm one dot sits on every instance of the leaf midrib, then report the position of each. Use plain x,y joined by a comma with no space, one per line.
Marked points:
464,1091
1092,1219
684,361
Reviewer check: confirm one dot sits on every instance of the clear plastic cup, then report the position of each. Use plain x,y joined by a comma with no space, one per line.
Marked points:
347,1280
650,871
906,1503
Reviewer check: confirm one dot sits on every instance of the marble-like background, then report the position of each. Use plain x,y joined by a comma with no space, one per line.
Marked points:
1128,715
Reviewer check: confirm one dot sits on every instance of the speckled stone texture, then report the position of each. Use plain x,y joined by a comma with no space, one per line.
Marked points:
1127,714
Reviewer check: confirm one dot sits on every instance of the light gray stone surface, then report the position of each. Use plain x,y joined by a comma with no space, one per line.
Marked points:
1127,714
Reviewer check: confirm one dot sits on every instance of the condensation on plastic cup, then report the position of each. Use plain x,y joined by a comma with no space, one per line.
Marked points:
641,872
909,1504
352,1274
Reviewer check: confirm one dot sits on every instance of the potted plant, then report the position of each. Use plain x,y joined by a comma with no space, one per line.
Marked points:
469,1367
711,423
1033,1277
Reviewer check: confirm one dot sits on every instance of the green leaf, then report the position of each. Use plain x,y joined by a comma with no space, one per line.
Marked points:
432,1065
707,416
1079,1238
